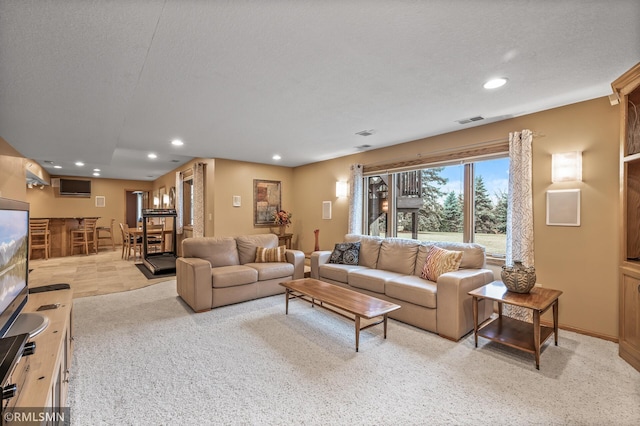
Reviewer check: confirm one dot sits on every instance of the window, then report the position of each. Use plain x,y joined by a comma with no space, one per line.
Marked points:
461,202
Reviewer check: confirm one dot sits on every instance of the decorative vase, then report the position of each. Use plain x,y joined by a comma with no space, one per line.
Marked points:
282,230
518,278
316,247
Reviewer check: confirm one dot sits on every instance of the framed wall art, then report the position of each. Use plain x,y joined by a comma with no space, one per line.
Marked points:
267,200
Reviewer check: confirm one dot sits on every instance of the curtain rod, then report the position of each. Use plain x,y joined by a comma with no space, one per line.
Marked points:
444,151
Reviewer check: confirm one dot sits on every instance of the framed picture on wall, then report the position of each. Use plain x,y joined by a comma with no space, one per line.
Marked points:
266,201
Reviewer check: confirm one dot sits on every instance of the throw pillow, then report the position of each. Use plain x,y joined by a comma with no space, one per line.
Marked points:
276,254
345,253
440,261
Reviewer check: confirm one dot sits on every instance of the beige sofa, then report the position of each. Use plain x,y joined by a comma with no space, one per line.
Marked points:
217,271
390,269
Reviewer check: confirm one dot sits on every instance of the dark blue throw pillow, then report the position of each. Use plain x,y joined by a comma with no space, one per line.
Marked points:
345,254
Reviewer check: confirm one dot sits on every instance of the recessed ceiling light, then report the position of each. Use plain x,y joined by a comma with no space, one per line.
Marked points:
177,142
96,174
276,157
57,167
495,83
152,156
79,163
96,170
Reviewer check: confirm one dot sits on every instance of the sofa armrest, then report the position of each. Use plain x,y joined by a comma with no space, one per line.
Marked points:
318,258
193,280
296,258
454,314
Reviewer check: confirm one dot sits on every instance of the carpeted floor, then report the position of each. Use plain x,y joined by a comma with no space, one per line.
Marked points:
143,357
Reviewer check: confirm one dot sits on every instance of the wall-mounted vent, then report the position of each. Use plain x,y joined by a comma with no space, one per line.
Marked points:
366,132
470,120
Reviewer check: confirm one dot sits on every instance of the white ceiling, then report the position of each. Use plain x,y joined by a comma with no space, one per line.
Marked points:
107,82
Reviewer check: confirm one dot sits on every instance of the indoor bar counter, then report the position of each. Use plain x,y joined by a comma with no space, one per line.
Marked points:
59,228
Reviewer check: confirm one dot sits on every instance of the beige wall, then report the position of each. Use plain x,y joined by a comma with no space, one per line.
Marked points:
12,173
48,203
236,178
580,261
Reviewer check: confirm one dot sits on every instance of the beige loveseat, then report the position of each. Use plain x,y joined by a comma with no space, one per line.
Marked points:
390,269
217,271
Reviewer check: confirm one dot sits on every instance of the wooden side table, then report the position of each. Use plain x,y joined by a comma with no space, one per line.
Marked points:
285,240
512,332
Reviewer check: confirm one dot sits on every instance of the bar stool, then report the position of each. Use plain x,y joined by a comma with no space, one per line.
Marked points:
84,236
39,236
109,234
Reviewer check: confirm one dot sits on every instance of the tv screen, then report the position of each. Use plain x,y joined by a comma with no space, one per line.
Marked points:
14,260
75,188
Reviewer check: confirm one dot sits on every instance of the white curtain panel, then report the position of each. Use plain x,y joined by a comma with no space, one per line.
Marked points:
178,204
520,210
198,200
355,200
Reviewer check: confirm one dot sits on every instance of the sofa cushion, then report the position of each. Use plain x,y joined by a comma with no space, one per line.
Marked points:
398,255
473,255
219,251
337,272
345,253
369,248
413,289
440,261
270,255
247,245
231,276
371,279
273,270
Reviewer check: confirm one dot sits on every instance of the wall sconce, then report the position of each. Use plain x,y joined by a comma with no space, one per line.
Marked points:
341,189
165,199
156,201
566,167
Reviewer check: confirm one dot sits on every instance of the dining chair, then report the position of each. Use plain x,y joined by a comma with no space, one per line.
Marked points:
84,236
106,233
130,241
155,237
39,236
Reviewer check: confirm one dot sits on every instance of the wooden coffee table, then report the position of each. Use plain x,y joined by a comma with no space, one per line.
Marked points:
359,305
512,332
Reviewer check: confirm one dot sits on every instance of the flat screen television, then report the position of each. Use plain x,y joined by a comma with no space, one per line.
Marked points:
75,188
14,261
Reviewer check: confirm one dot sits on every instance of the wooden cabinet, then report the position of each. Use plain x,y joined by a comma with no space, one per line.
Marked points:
630,317
47,376
627,89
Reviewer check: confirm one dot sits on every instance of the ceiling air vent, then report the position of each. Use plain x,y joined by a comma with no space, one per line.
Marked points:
471,120
365,146
366,132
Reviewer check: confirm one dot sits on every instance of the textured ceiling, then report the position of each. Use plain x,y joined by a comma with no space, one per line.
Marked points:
107,82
